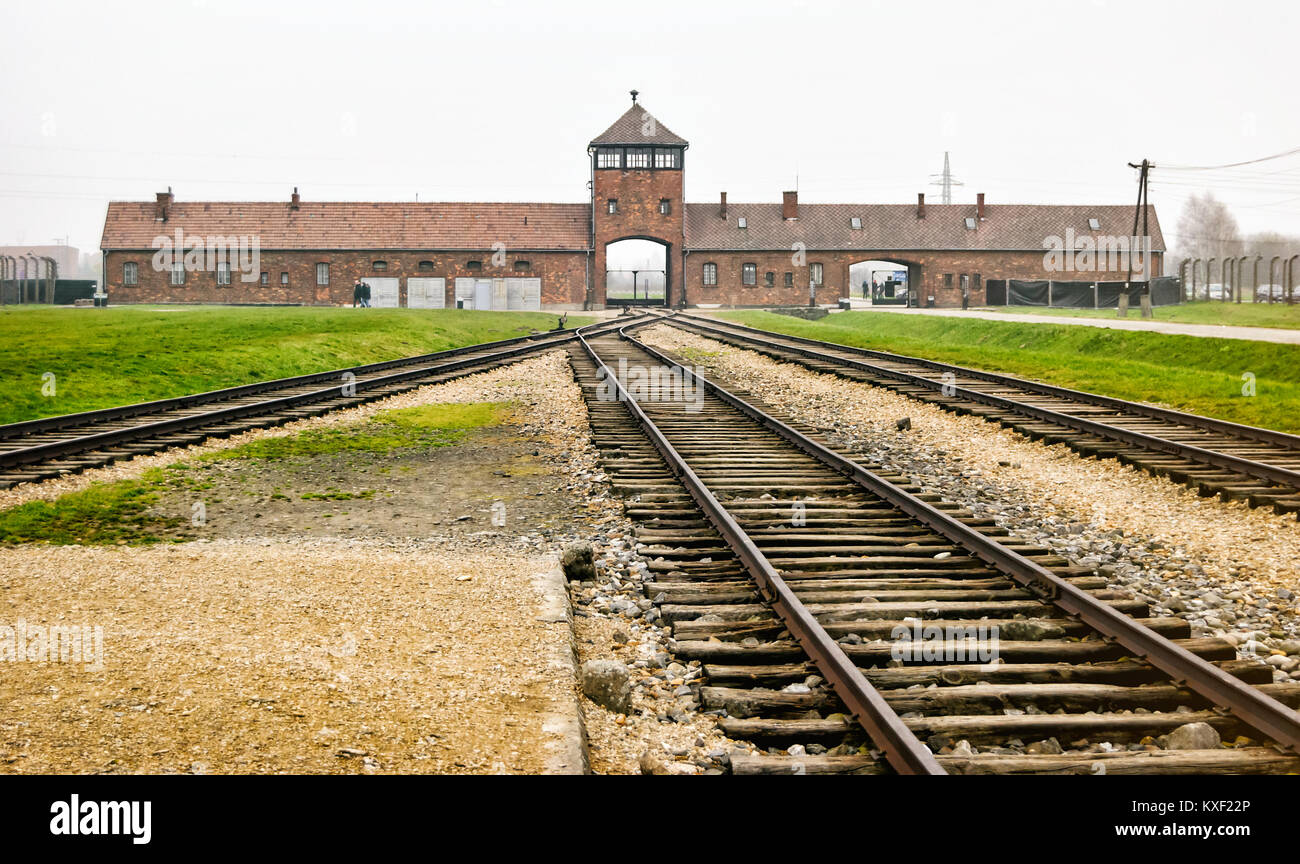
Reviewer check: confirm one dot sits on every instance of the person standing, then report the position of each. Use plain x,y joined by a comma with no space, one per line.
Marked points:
356,293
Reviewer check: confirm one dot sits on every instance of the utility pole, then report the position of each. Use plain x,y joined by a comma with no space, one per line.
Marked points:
1140,212
946,181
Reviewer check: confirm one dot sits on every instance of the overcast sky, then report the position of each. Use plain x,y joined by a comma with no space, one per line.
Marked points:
1038,102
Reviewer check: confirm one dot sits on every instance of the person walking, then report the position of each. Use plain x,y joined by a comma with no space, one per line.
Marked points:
356,293
365,295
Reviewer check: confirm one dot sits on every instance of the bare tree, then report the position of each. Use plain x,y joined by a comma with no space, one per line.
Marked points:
1207,229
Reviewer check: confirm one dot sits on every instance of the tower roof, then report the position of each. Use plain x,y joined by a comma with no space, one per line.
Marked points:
638,126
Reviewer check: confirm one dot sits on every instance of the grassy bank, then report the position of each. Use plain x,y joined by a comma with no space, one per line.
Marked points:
1200,312
105,357
1203,376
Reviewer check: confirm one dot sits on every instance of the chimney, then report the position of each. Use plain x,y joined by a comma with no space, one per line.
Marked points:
789,205
722,211
163,205
979,206
920,205
293,199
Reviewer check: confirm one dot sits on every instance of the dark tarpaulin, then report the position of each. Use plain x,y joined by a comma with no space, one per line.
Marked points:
1074,295
995,292
1021,292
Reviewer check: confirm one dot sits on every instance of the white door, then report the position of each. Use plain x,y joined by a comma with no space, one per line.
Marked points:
383,291
424,292
532,295
514,294
464,293
483,294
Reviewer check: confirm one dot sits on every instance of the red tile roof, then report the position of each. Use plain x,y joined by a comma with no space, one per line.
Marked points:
357,225
895,226
637,126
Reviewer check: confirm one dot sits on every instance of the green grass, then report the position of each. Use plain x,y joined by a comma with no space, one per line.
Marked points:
106,357
436,425
1199,312
104,513
1190,373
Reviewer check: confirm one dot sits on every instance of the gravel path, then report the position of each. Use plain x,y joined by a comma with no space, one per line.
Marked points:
1228,569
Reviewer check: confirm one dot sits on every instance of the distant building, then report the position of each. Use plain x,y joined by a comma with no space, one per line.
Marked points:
533,255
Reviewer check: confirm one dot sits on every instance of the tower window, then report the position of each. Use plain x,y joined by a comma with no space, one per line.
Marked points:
665,206
710,275
638,157
611,206
607,157
667,157
749,274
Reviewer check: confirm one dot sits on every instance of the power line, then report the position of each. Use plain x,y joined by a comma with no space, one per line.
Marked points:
1230,164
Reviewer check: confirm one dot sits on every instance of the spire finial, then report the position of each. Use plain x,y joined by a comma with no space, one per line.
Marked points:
634,95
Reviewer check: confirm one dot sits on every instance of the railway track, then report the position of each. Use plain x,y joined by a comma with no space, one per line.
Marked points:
51,446
836,607
1258,466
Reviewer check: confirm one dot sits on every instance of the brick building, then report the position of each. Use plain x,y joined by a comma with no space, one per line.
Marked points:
534,255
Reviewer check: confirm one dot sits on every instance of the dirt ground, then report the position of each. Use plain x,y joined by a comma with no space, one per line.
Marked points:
399,631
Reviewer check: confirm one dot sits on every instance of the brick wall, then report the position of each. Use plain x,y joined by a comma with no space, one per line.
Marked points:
926,269
563,276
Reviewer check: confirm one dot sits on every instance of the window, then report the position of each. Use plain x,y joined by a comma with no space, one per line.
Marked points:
178,274
749,274
284,277
742,223
265,278
970,223
665,206
379,266
1094,224
223,272
426,266
607,157
947,280
667,157
815,273
769,279
474,265
789,279
523,266
855,223
130,273
322,274
976,283
710,275
638,157
611,206
965,285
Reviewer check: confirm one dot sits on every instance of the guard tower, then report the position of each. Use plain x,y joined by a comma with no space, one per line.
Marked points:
636,195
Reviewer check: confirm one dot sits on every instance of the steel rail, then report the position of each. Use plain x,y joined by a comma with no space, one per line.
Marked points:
1249,467
1254,708
902,749
1209,424
61,421
52,450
